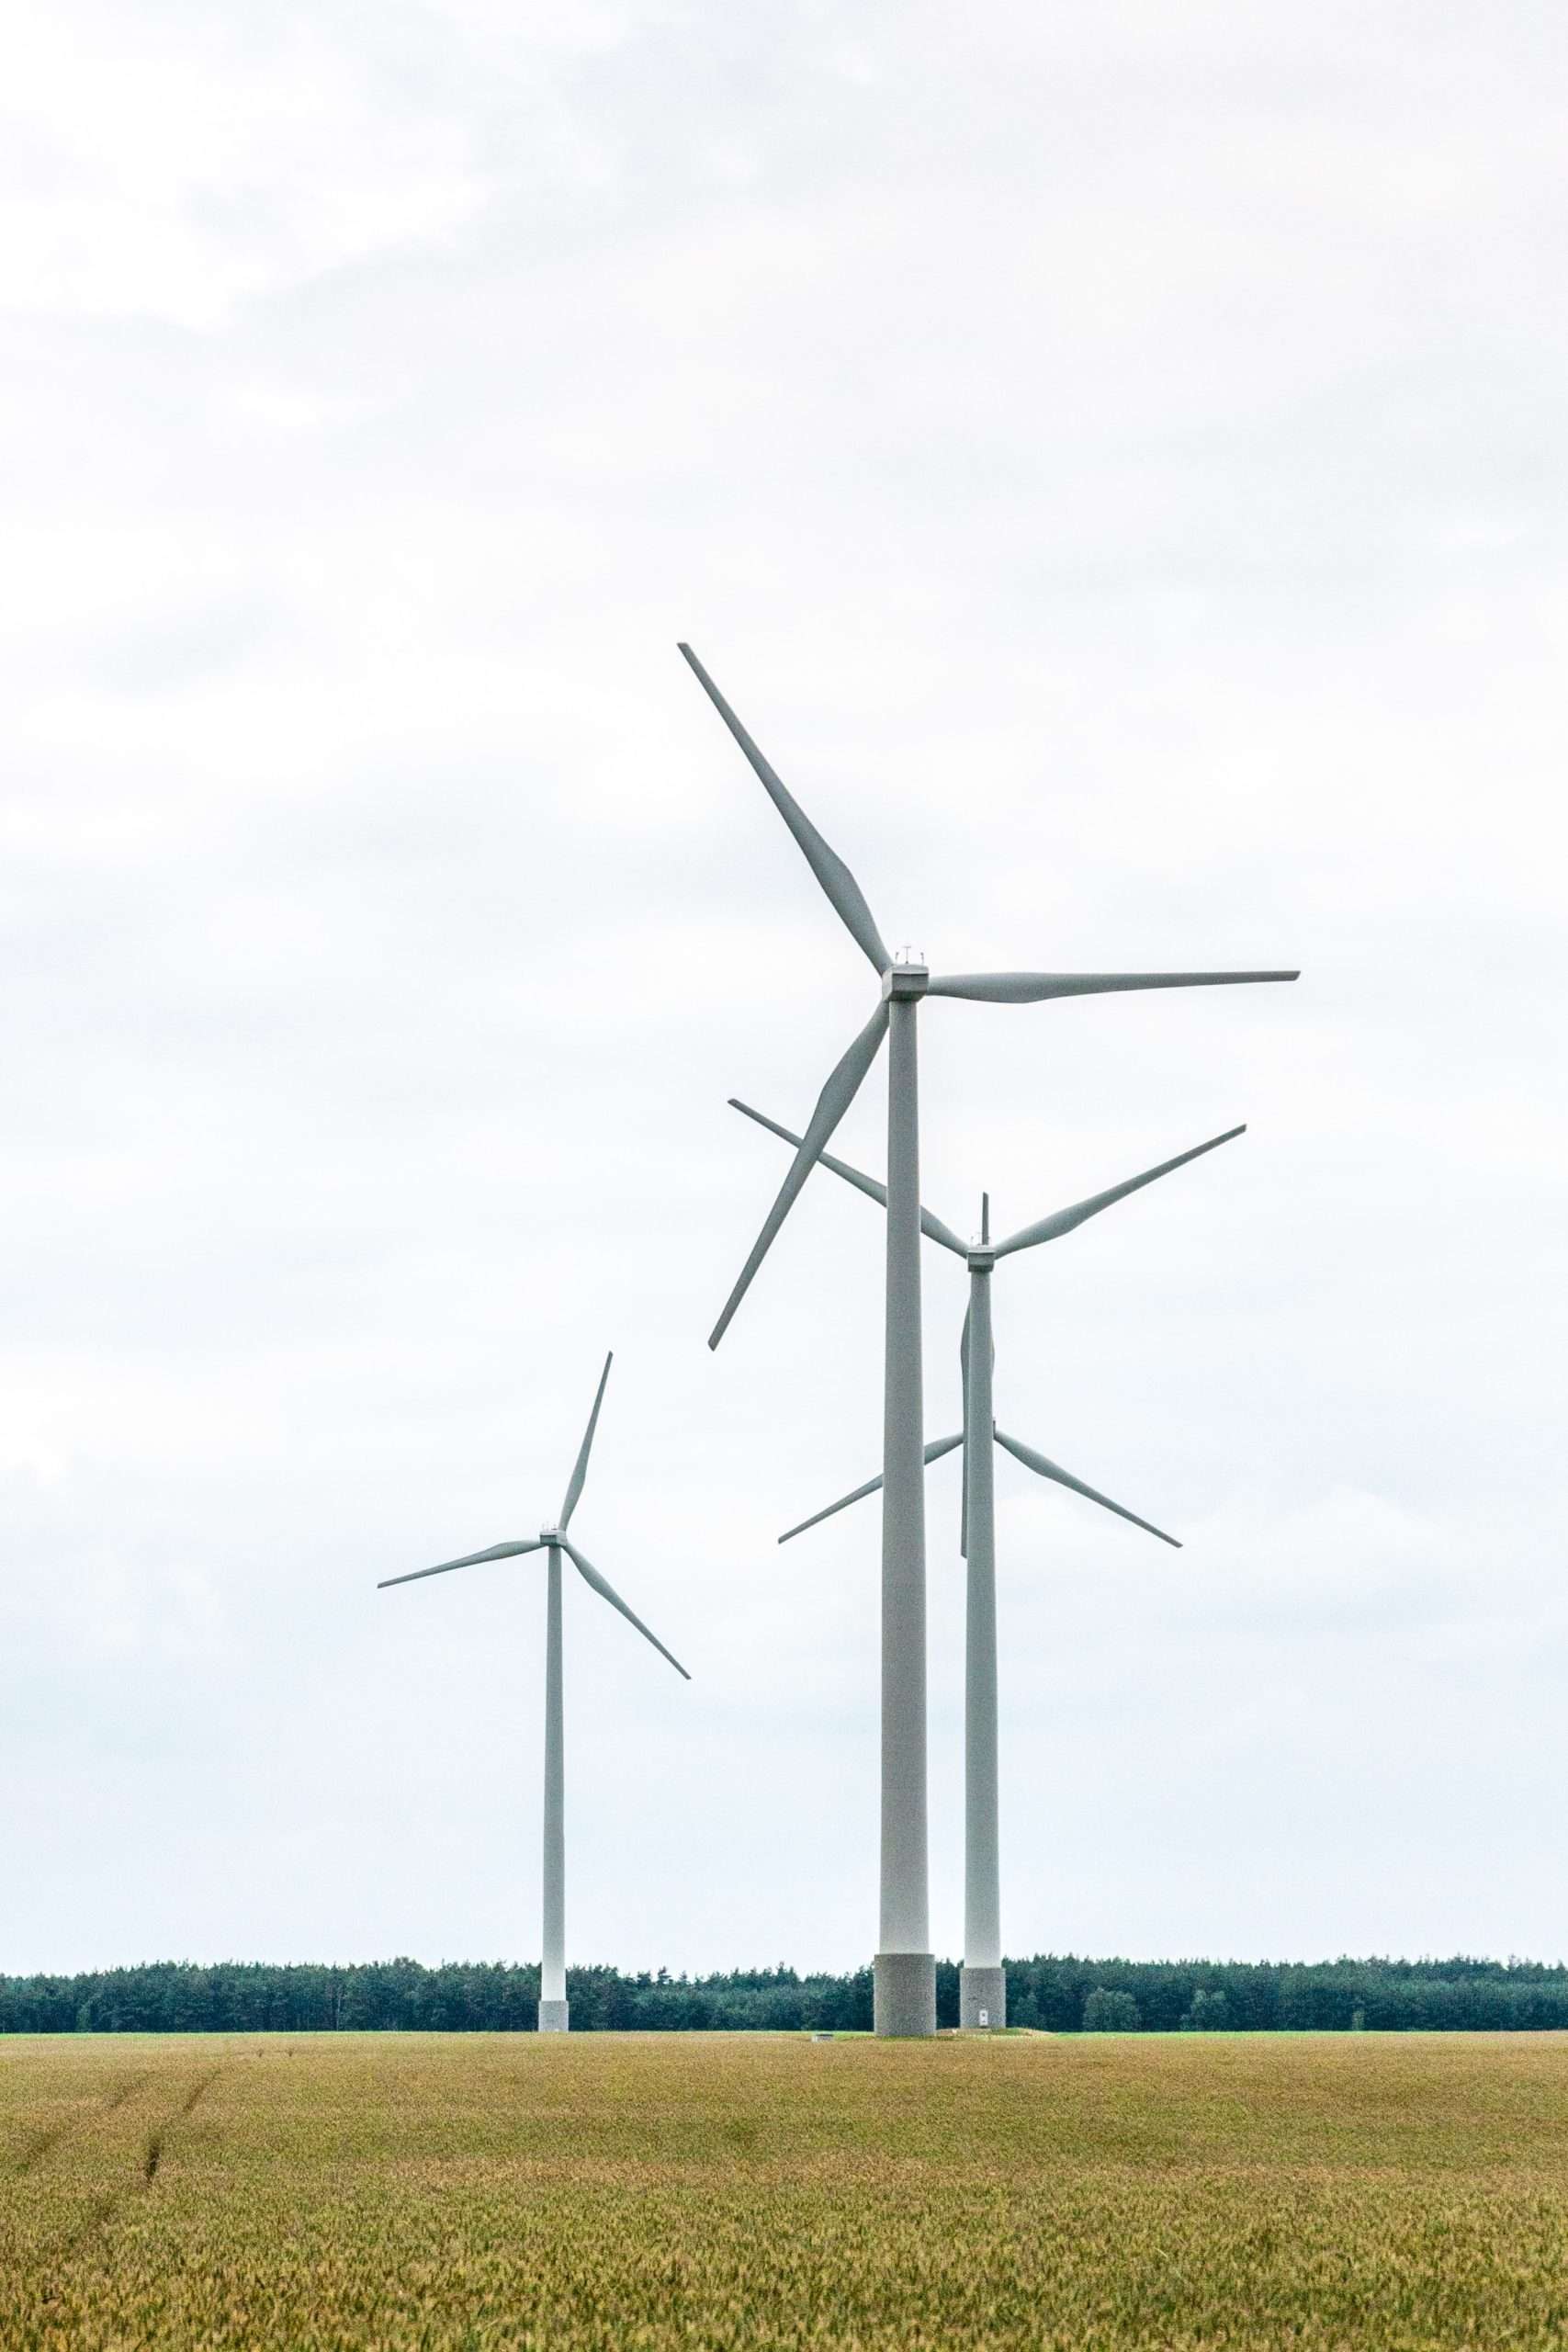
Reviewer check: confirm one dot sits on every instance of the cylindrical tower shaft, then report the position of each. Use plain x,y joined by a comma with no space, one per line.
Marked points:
553,2013
982,1988
906,1972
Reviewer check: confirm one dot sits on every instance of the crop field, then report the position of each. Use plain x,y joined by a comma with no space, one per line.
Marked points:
616,2193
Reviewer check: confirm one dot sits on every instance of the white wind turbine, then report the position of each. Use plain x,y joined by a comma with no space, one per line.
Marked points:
553,2010
905,1981
982,1984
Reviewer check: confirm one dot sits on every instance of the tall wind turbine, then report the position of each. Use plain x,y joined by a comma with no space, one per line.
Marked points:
904,1982
982,1985
553,2007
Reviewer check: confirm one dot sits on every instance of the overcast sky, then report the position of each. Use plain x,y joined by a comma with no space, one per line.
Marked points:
1112,459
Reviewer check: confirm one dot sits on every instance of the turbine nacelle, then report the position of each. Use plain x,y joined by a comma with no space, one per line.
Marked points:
905,983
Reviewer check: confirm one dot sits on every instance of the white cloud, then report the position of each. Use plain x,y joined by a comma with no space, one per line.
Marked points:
185,161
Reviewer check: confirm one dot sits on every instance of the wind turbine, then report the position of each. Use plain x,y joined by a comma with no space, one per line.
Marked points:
982,1984
904,1980
553,2007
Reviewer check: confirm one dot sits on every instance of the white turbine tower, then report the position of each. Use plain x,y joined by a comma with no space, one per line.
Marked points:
982,1988
905,1995
553,2012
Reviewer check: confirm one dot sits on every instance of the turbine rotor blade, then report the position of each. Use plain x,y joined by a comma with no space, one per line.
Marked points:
933,1453
468,1560
1048,1469
606,1591
1034,987
930,1226
1049,1229
843,892
843,1084
579,1471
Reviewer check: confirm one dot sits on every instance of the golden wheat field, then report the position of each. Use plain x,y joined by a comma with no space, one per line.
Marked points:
610,2191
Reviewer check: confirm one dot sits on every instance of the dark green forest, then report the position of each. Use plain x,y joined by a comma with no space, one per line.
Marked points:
1062,1993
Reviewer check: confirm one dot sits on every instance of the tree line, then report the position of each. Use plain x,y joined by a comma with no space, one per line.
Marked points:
1061,1994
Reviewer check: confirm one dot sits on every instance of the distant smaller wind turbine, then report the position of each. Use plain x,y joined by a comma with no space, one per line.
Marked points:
982,1983
553,2012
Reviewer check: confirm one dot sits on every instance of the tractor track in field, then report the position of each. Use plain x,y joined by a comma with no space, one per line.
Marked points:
48,2136
199,2090
36,2144
127,2089
154,2147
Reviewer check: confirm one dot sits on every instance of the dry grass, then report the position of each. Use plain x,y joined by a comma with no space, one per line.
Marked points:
613,2192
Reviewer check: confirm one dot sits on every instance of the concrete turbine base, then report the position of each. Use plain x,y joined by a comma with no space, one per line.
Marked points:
553,2017
982,1989
904,1995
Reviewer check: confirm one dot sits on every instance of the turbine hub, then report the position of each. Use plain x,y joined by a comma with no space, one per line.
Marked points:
553,1536
904,982
980,1257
